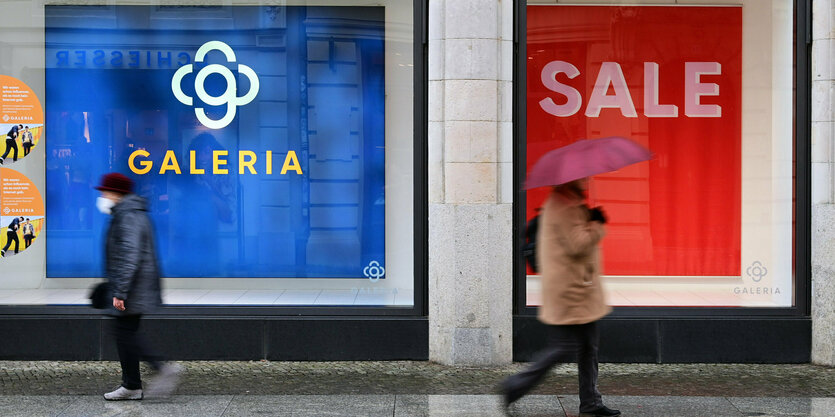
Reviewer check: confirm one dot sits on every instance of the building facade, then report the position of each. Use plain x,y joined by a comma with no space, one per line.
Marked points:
343,180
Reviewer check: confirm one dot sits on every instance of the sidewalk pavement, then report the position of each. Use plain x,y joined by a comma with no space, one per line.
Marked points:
403,406
418,389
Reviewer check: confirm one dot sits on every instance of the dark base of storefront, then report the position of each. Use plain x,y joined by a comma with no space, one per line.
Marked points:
280,339
625,340
703,340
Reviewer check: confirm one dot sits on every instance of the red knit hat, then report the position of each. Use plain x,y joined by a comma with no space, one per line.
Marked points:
116,182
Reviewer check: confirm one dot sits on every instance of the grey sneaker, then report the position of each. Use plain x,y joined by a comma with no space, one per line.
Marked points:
165,381
122,393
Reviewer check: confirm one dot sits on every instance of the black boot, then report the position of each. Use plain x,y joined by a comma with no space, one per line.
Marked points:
509,395
601,412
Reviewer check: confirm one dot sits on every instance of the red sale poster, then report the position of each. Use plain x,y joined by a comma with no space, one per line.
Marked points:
667,77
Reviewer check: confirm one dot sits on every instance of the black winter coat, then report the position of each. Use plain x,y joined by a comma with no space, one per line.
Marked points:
131,262
13,132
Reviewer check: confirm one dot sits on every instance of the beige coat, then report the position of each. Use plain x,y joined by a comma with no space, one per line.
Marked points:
569,260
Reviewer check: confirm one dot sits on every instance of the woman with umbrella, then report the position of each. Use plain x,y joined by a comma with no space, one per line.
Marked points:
568,254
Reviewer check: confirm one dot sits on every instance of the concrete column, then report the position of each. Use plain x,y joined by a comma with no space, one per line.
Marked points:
823,179
470,181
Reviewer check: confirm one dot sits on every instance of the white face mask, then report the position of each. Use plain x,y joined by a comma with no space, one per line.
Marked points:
104,204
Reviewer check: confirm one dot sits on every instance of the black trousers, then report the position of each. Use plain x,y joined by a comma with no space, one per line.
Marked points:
564,344
27,147
132,347
11,236
10,144
27,239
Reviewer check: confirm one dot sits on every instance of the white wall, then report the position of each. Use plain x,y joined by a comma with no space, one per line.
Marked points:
823,178
470,181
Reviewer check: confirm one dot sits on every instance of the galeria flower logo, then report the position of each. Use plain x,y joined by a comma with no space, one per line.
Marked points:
229,97
374,271
757,271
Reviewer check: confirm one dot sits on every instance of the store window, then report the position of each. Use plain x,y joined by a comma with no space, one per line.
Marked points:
271,143
709,89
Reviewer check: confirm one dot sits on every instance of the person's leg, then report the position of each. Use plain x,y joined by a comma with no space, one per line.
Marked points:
8,148
15,151
146,353
561,347
125,329
167,376
590,398
8,240
16,243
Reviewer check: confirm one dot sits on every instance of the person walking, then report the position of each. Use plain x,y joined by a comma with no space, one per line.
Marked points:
28,233
28,141
11,236
133,274
11,143
568,254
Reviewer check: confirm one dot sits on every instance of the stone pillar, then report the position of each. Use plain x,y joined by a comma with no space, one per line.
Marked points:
823,179
470,181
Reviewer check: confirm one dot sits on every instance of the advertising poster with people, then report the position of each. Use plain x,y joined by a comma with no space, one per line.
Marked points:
21,213
259,145
21,120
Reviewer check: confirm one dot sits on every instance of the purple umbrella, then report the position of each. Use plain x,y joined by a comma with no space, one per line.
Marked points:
585,158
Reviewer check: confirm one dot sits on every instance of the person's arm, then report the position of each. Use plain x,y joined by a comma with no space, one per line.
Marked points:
579,235
124,260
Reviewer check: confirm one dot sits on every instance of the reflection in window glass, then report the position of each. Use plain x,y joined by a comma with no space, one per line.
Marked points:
291,185
273,143
708,221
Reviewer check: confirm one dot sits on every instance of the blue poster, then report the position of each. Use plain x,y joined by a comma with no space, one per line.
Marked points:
255,133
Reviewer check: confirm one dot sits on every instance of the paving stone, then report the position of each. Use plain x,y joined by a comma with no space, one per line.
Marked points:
773,406
660,406
475,406
780,407
19,406
310,405
176,406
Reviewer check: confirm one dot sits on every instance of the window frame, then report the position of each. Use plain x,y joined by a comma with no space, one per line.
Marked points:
803,202
420,227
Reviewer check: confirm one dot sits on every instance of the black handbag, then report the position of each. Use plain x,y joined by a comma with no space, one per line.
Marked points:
529,247
100,296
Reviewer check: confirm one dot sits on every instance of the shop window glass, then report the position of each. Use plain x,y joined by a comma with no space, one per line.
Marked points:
269,142
709,90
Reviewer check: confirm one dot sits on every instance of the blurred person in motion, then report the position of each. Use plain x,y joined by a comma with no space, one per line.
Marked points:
568,256
133,274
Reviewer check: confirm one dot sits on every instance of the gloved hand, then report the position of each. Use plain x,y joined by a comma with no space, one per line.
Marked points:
597,215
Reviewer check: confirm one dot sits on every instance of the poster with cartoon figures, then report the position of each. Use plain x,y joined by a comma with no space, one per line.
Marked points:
21,120
21,213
